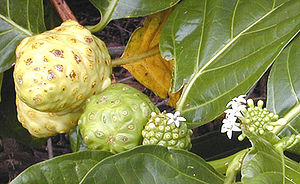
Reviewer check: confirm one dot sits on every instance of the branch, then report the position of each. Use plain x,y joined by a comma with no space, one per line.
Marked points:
63,10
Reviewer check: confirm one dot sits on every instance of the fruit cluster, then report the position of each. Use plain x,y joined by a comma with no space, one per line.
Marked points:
62,77
158,131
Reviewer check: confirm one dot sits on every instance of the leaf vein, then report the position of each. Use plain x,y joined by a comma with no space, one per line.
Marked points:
6,31
11,41
185,93
223,66
201,37
233,18
289,75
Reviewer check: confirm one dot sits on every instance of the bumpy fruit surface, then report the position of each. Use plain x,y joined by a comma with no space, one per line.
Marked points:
55,72
113,120
158,132
59,69
45,124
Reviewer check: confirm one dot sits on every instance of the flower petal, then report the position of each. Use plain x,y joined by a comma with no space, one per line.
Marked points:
177,123
224,128
229,134
177,114
181,119
170,121
170,115
236,128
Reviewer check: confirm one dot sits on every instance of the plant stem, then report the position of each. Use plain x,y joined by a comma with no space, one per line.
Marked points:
293,113
235,166
63,10
49,148
135,58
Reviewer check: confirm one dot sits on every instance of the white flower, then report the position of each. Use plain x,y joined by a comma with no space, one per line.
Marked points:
237,101
175,118
235,112
229,126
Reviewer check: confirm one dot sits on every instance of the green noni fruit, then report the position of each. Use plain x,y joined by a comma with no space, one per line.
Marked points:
167,130
113,120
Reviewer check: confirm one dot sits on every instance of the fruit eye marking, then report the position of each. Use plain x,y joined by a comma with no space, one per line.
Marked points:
125,113
99,133
58,53
124,139
51,75
88,39
72,74
73,40
130,127
20,79
37,99
60,68
77,58
45,59
28,61
93,84
91,116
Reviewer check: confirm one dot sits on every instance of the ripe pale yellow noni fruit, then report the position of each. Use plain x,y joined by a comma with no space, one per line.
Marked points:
55,72
45,124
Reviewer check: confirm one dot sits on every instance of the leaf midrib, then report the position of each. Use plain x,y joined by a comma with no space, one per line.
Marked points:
232,89
194,77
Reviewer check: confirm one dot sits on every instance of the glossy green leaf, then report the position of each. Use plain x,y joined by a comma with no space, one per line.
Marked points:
221,48
284,89
117,9
265,165
69,168
77,143
18,19
153,164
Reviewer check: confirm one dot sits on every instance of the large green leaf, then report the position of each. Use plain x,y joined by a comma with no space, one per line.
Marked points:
116,9
221,48
265,165
284,89
69,168
18,19
153,164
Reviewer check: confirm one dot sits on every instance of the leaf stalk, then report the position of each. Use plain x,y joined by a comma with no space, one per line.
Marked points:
135,58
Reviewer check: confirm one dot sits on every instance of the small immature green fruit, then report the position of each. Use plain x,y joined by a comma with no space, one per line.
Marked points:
113,120
55,72
158,131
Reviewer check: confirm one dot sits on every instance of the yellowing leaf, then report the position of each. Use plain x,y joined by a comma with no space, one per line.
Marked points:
150,69
174,97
